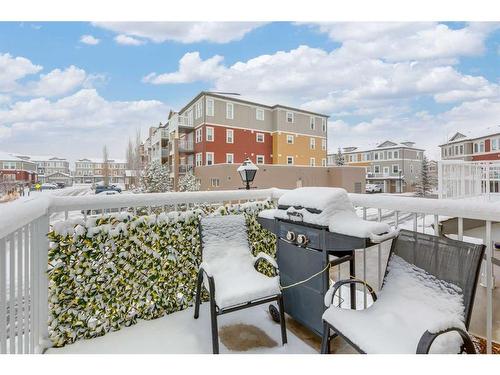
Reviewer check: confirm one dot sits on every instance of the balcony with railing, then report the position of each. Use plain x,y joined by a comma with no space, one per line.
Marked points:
186,146
184,168
96,274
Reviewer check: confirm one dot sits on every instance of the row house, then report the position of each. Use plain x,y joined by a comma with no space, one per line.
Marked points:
92,170
220,129
480,148
394,166
51,169
16,171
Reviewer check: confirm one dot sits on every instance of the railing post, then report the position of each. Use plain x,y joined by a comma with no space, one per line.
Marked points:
43,283
489,289
440,180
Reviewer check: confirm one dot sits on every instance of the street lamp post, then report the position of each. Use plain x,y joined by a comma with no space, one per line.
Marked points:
247,171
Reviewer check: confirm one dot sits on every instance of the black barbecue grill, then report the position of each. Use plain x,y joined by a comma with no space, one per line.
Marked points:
305,252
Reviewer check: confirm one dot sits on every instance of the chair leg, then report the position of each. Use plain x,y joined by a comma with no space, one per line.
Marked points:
213,315
282,320
352,272
325,340
197,302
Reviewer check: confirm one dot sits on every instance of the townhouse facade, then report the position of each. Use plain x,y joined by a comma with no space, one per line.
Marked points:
480,148
394,166
16,171
51,169
220,129
92,170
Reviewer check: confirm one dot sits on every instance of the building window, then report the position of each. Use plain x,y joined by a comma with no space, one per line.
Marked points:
494,144
289,160
312,162
209,157
260,159
214,182
376,168
229,111
289,117
199,159
210,107
289,139
411,168
259,114
260,137
198,135
312,143
323,162
389,154
476,148
229,158
323,125
461,149
395,168
375,156
396,154
198,109
323,145
386,171
313,124
229,136
210,134
481,146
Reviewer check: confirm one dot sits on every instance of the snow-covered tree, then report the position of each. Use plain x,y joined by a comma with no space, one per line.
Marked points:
188,182
425,181
156,179
339,159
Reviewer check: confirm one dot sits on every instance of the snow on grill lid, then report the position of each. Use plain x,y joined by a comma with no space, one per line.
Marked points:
318,198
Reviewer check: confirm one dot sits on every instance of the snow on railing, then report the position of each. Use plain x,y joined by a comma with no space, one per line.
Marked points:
24,245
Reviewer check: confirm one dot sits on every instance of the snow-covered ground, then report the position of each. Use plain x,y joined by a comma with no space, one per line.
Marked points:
180,333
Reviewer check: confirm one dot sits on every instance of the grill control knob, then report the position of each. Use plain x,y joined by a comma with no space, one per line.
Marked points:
290,236
302,240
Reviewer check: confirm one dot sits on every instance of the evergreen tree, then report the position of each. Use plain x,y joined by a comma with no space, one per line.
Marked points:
157,178
339,160
188,182
425,183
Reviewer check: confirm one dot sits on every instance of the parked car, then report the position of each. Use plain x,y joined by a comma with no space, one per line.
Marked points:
47,186
101,188
373,188
108,192
60,185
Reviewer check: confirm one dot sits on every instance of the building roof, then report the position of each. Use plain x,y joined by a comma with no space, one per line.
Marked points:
37,158
386,145
7,156
101,160
247,101
472,134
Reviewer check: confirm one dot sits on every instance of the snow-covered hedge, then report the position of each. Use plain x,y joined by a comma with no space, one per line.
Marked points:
111,270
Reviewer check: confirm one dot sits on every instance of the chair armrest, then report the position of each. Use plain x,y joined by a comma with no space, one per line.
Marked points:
263,256
425,343
205,268
330,294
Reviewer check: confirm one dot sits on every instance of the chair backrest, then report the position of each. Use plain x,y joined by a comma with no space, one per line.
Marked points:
223,236
449,260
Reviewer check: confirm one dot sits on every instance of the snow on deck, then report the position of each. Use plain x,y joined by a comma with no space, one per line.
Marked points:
179,333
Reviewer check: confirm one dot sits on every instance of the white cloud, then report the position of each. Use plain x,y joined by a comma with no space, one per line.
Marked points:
89,39
183,32
191,68
77,125
13,69
56,83
128,40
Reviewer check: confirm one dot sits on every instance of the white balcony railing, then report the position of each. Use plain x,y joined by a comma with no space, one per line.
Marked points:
185,121
24,246
186,145
184,168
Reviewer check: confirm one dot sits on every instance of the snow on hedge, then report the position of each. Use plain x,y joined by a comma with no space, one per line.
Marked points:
110,270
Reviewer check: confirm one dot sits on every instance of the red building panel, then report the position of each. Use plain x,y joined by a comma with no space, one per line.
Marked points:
20,176
244,145
494,156
487,145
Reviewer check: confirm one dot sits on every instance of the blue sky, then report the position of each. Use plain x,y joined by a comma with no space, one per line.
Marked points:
69,88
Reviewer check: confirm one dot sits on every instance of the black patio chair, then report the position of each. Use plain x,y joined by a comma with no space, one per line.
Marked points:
228,270
445,269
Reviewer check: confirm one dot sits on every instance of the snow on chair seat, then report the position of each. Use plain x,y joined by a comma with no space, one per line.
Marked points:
228,270
428,290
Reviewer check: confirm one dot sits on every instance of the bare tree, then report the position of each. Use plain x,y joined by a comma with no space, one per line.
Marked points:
105,165
130,155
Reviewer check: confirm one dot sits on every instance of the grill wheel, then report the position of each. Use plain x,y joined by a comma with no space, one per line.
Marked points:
275,314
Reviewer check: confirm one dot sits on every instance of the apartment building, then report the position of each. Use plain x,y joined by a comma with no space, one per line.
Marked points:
472,148
91,170
221,129
50,169
14,170
394,166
